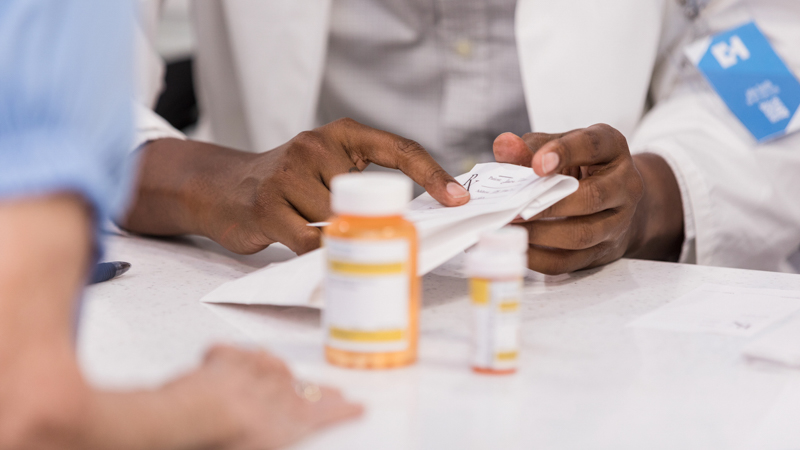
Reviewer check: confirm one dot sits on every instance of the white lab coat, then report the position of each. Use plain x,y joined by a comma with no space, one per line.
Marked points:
260,64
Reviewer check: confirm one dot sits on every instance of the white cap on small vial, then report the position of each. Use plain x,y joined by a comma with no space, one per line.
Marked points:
499,253
507,239
372,194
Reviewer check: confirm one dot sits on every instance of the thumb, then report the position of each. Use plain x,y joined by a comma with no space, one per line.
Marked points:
511,149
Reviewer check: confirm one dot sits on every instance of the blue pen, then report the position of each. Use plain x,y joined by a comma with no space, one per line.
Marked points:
108,270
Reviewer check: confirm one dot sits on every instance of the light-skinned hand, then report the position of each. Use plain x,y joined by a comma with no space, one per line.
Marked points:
255,393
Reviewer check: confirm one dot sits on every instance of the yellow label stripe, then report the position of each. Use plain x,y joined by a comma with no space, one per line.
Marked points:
508,306
506,356
479,291
367,269
366,336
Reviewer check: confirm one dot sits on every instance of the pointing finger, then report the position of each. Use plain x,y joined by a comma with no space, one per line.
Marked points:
389,150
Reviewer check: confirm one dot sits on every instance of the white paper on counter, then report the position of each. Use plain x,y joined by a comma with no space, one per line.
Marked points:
499,193
781,346
730,310
295,282
778,429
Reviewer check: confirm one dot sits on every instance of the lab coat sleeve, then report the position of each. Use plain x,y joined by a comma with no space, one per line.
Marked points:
150,126
740,198
149,79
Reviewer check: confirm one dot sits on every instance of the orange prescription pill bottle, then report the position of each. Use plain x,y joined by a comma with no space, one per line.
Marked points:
496,267
372,291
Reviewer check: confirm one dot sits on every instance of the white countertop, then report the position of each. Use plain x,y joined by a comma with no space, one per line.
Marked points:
586,381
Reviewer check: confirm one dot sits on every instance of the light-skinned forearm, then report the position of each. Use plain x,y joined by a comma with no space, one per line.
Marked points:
658,221
44,401
164,419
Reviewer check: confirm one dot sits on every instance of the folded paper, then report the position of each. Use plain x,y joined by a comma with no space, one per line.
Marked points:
499,193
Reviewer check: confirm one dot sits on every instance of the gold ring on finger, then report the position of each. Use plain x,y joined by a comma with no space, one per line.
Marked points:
309,392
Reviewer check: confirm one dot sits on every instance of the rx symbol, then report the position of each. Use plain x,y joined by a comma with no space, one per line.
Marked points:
730,53
468,184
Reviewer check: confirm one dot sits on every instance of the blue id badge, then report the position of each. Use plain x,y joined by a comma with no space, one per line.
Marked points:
751,79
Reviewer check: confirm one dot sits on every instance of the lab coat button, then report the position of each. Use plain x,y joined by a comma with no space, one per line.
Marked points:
464,48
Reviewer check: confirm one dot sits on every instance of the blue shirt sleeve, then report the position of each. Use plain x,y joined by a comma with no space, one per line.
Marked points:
66,110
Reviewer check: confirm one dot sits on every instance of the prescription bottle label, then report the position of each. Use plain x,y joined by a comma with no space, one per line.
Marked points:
495,306
367,289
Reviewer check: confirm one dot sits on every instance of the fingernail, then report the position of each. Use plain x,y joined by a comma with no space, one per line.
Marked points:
550,162
456,190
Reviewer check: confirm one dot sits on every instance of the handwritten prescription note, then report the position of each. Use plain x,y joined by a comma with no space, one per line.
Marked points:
490,185
498,194
713,308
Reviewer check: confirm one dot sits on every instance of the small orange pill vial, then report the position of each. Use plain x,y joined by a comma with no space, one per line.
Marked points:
496,268
372,291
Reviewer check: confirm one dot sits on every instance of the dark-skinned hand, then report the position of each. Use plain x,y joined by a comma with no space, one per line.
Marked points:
247,201
609,216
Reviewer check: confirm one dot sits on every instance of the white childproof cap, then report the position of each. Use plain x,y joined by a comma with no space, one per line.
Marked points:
510,238
499,253
370,194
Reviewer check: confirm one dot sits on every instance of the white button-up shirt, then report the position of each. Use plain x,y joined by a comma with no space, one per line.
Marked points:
442,72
